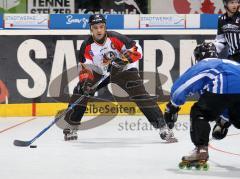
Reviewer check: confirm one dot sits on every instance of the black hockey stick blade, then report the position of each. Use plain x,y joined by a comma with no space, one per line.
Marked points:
21,143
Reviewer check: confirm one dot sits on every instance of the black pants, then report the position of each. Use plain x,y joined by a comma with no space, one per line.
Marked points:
131,82
235,57
208,108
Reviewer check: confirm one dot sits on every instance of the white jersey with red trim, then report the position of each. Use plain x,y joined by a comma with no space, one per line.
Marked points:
93,53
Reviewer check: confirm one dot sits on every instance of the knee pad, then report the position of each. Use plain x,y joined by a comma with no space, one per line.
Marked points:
196,114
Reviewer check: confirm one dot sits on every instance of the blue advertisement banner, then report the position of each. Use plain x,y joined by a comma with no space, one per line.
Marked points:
209,21
1,21
80,21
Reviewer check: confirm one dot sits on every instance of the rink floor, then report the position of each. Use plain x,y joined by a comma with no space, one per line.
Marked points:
125,147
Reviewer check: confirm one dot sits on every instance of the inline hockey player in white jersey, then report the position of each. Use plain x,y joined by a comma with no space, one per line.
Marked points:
107,51
217,81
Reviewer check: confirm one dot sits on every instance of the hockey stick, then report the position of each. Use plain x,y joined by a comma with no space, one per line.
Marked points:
21,143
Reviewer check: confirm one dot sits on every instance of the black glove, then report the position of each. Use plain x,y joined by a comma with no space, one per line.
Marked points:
171,114
220,129
83,88
111,57
86,79
119,63
87,88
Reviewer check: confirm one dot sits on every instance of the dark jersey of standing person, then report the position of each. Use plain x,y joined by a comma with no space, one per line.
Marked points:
228,33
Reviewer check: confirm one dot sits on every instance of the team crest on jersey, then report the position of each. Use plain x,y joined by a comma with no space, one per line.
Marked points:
113,46
91,53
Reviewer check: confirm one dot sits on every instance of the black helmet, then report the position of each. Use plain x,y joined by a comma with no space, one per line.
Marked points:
205,50
96,18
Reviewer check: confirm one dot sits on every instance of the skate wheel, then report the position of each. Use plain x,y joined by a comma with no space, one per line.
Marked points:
205,167
181,165
189,166
198,166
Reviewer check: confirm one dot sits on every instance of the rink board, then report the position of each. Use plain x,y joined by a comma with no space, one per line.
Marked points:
44,63
93,109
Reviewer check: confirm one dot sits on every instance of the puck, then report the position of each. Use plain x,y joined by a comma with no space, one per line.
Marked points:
33,146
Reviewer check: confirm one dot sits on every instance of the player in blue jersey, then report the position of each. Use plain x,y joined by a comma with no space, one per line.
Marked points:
217,81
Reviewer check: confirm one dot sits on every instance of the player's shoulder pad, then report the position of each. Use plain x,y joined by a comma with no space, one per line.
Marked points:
83,47
87,41
114,34
123,38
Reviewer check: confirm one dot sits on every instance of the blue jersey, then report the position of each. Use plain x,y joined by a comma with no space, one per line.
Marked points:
214,75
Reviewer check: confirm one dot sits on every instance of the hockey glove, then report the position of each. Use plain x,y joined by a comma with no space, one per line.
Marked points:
119,63
171,114
86,80
220,129
131,55
111,57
